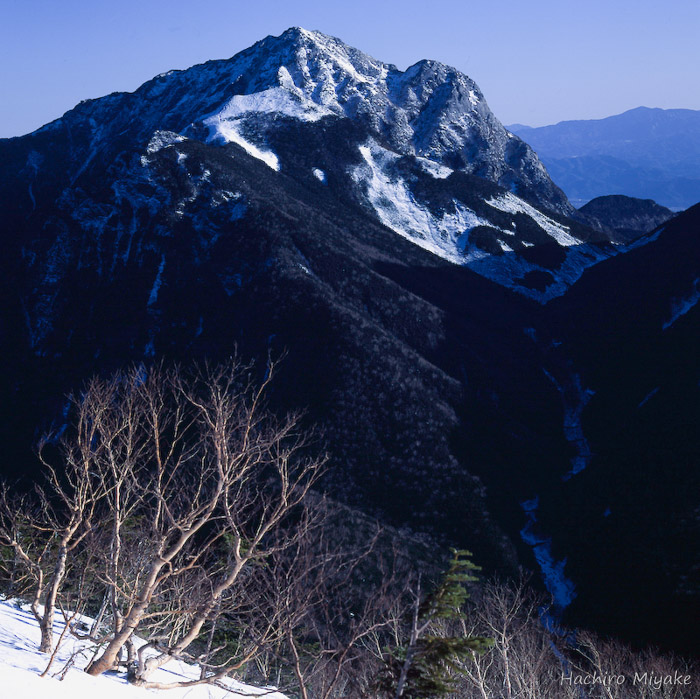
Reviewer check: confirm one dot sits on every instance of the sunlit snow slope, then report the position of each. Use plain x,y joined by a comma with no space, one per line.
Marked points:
21,664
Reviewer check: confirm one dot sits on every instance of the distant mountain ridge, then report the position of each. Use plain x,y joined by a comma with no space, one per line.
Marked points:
644,153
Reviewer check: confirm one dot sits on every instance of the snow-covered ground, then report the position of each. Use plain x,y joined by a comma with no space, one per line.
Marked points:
21,664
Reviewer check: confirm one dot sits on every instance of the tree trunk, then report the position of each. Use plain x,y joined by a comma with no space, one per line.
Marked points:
200,618
411,651
110,657
46,626
297,666
46,623
408,661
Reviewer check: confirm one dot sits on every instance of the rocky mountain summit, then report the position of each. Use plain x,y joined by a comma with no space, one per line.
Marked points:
419,149
430,110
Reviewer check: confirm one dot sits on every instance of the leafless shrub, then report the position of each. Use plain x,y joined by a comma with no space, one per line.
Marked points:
533,658
335,604
44,529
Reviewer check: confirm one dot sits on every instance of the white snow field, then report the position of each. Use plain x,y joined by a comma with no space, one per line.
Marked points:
21,664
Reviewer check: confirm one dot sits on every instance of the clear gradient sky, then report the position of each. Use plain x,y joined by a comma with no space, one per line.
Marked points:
536,61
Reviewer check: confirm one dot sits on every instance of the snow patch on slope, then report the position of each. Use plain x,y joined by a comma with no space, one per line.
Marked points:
447,233
446,236
574,398
648,397
162,139
439,172
510,203
562,589
228,131
288,100
153,296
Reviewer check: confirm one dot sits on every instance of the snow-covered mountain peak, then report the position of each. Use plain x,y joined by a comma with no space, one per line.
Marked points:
312,59
429,110
320,50
400,143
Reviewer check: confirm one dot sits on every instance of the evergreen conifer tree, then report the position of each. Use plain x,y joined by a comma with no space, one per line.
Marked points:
425,667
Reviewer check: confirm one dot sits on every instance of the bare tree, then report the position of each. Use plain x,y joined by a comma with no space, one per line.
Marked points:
175,486
44,528
213,469
525,661
335,597
629,674
332,615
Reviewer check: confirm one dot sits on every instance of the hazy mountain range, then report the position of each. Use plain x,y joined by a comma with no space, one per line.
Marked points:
644,153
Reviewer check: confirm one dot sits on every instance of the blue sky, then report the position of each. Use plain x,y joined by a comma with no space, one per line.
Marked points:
537,62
